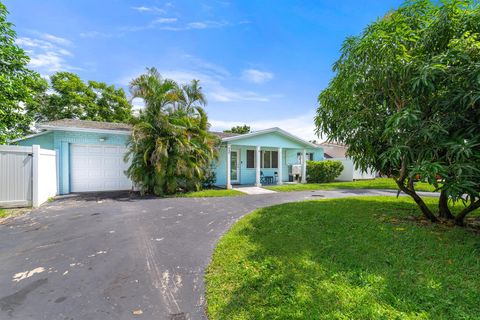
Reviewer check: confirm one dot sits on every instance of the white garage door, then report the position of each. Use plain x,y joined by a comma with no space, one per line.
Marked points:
98,168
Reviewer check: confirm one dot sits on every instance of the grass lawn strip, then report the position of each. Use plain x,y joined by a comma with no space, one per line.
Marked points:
379,183
350,258
211,193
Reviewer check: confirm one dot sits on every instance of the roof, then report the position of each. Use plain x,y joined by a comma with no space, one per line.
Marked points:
222,135
85,124
271,130
333,150
124,128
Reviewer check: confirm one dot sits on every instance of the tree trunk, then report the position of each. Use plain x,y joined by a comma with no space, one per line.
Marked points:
443,209
460,218
418,200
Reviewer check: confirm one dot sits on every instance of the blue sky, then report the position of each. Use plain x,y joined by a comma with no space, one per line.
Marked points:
262,63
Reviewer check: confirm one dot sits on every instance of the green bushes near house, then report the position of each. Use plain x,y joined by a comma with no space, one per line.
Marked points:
323,171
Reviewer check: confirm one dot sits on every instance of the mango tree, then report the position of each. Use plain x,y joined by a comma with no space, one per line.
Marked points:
405,98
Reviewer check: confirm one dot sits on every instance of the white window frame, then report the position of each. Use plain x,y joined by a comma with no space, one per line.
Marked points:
271,159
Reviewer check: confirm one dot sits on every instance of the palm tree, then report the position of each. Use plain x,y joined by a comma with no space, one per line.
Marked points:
170,148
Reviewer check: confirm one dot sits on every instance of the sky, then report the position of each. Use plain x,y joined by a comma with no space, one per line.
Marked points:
260,63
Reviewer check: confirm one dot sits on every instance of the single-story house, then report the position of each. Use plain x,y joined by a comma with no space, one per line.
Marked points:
91,155
334,151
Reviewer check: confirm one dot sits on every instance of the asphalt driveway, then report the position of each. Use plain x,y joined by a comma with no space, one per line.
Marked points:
90,257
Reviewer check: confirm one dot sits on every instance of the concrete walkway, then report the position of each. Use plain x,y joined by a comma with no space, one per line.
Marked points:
121,257
253,190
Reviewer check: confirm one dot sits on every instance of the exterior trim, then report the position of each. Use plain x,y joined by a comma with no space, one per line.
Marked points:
55,128
33,135
271,130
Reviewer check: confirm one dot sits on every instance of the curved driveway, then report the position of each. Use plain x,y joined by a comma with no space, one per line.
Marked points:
118,257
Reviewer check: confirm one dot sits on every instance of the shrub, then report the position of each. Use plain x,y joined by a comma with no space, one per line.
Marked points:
323,171
209,179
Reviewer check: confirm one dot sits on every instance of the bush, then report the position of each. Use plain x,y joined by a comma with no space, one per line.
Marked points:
209,179
323,171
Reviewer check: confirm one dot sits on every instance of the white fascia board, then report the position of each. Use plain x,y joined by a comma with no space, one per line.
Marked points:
270,130
30,136
56,128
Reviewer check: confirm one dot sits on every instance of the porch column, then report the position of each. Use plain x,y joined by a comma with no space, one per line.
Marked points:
229,165
280,166
304,166
257,167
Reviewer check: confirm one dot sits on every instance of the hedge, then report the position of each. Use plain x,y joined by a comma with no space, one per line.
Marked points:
323,171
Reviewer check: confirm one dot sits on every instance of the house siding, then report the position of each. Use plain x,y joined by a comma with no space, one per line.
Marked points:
268,141
45,141
61,141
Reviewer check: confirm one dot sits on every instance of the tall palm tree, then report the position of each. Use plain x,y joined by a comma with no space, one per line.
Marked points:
170,148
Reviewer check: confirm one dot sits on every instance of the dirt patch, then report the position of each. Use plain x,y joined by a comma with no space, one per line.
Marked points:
7,214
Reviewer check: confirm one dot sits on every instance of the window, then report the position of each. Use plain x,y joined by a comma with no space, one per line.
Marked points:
308,154
269,159
275,159
250,158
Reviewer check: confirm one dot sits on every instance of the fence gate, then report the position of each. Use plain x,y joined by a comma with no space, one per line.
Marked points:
16,179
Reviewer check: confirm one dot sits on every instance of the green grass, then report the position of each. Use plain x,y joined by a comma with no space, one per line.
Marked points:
379,183
212,193
3,213
351,258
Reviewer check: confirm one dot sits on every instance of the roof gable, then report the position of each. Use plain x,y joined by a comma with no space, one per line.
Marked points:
85,124
273,137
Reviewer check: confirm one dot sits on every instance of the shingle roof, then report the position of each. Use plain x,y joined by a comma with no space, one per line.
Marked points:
87,124
222,135
333,150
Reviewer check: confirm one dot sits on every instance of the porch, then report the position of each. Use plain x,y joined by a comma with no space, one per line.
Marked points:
263,157
263,165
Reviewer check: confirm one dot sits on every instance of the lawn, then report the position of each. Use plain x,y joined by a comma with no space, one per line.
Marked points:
351,258
211,193
379,183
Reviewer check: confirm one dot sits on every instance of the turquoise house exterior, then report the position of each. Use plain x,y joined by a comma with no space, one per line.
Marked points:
91,156
263,157
65,135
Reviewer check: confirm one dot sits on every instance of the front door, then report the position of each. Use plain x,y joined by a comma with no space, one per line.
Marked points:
235,167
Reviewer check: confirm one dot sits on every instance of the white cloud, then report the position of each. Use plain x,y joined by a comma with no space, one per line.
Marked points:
47,54
256,76
207,24
153,24
98,34
166,20
49,61
301,126
213,79
145,9
179,26
55,39
212,84
205,66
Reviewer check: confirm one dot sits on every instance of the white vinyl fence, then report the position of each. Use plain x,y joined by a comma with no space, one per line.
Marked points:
349,172
28,176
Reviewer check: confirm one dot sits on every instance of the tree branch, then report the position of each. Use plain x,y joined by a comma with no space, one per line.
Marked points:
459,219
443,209
411,192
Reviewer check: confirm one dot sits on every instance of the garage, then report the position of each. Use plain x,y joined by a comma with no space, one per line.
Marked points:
98,168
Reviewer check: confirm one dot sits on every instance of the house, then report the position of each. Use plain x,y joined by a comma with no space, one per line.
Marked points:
334,151
263,156
91,155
